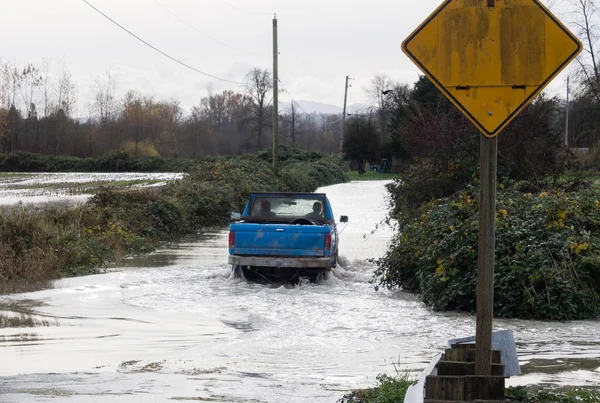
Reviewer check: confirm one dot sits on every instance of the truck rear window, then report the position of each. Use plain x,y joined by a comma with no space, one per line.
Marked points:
288,207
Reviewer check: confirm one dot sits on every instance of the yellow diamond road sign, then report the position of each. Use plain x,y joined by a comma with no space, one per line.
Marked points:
491,57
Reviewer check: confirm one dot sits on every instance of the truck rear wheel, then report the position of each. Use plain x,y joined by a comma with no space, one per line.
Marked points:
237,271
317,277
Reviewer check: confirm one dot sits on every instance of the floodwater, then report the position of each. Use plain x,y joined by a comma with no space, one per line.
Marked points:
175,326
36,188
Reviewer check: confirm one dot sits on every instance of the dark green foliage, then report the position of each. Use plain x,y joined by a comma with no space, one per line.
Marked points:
424,180
289,154
524,395
112,162
38,243
307,176
362,142
538,273
547,253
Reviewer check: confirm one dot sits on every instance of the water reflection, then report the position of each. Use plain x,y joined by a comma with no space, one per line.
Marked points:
22,314
20,286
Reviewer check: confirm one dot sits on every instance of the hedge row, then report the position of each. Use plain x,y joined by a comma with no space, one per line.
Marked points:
547,252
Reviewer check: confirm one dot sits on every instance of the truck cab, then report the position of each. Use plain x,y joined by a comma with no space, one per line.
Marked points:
283,237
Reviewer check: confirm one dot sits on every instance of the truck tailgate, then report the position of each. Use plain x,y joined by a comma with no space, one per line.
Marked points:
280,239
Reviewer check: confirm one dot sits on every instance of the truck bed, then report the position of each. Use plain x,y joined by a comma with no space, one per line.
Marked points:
272,239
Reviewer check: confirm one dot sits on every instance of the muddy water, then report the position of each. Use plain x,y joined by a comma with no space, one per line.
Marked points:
176,326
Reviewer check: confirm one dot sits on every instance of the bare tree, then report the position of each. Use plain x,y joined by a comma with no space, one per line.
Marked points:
586,14
378,89
29,82
15,79
258,84
106,105
5,85
291,120
65,92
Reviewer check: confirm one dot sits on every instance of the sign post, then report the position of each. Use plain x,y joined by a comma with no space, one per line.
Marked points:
485,258
490,58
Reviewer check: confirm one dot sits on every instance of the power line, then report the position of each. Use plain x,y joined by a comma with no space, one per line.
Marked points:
335,121
206,35
294,101
158,50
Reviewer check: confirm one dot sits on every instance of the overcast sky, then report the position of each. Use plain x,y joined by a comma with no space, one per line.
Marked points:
320,42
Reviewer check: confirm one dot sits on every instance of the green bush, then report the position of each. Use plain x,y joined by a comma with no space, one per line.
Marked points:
425,180
389,389
288,154
115,161
547,253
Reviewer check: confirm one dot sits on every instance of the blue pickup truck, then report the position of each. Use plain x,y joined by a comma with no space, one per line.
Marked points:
284,237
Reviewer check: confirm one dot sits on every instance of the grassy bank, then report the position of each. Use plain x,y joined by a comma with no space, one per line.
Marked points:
42,243
389,389
393,390
537,395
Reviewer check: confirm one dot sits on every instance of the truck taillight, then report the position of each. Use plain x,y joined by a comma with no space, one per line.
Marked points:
231,239
328,241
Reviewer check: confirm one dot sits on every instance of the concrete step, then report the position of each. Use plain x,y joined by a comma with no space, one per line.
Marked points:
468,355
464,388
459,368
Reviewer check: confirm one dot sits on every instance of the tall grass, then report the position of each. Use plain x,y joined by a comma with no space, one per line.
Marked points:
389,389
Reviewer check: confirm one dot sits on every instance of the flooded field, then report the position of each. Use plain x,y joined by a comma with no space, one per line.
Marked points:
175,326
37,188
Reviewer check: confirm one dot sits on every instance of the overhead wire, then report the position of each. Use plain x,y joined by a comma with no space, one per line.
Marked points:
283,61
207,35
160,51
300,106
202,33
293,100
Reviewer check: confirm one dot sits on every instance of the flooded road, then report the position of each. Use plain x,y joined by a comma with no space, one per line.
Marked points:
175,326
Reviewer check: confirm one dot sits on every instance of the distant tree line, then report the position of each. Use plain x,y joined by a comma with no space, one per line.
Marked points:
37,114
418,122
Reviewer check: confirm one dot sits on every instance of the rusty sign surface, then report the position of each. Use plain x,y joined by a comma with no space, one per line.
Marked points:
491,57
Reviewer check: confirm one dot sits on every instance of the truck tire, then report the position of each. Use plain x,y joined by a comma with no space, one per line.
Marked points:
251,275
237,271
318,276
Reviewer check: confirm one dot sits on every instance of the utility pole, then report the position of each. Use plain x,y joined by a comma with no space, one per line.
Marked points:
275,98
344,117
567,119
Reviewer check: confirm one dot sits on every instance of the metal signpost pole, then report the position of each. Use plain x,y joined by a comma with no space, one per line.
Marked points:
486,255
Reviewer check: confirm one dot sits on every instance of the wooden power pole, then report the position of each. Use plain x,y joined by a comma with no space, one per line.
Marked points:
567,118
275,99
344,117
